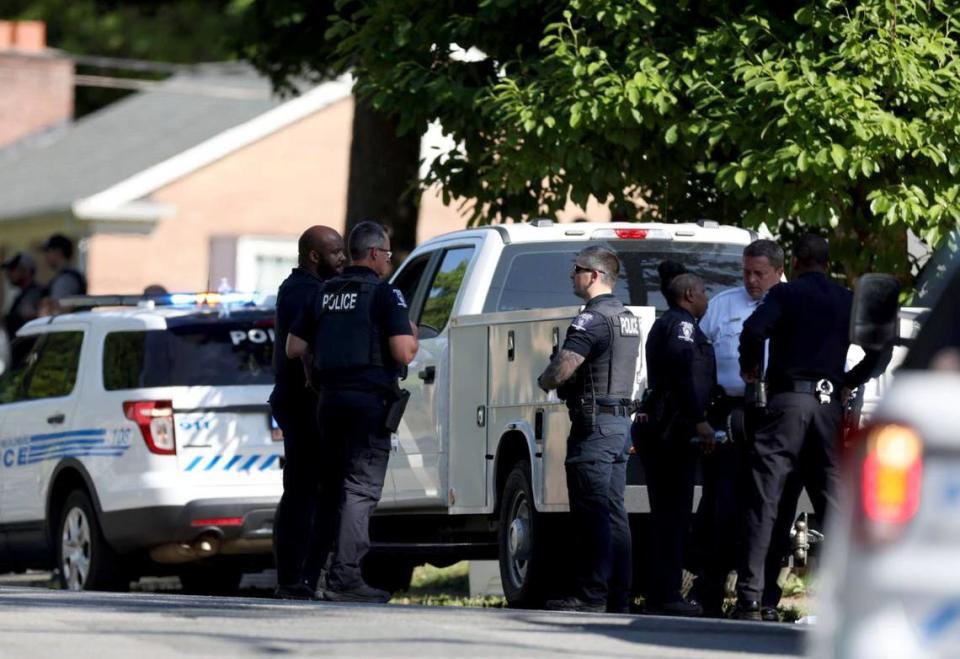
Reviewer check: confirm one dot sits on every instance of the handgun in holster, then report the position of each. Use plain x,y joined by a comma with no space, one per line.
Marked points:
398,406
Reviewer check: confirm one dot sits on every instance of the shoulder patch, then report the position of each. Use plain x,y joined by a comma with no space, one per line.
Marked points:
400,301
685,331
629,325
581,321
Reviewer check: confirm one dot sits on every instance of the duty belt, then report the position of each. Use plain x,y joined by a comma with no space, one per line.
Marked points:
616,410
823,389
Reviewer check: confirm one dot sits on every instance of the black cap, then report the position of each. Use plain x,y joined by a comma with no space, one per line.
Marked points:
59,242
16,260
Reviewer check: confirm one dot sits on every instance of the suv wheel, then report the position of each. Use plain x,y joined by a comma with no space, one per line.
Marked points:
84,559
522,542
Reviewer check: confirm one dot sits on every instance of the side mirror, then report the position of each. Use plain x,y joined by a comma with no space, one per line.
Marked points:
874,319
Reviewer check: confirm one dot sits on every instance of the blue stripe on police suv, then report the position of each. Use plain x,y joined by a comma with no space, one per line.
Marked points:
91,442
254,462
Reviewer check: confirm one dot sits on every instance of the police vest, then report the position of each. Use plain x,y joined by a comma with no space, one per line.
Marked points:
609,378
347,336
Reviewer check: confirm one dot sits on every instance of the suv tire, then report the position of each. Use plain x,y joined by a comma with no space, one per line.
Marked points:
84,559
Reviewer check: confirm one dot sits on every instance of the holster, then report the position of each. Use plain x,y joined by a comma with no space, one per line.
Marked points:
398,406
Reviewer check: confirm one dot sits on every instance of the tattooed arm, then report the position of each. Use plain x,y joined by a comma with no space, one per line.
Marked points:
560,369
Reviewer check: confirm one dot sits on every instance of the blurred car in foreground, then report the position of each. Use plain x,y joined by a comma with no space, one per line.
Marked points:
891,584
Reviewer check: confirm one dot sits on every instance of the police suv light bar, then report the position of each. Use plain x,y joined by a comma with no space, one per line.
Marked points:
208,299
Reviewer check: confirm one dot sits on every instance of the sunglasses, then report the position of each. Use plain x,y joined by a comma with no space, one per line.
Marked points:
388,252
579,268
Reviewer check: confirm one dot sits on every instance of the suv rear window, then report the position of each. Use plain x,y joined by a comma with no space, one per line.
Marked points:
222,353
537,276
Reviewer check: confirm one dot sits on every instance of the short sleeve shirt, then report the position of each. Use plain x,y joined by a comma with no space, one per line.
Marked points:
588,335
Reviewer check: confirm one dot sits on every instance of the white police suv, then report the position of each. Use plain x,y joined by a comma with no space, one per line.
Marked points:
137,440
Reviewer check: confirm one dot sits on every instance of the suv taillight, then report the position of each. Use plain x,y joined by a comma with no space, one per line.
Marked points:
890,480
155,419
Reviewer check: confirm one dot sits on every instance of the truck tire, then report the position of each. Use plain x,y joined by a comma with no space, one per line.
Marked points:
84,559
523,542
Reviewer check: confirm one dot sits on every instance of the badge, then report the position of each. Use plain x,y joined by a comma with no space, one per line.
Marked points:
581,321
400,301
686,331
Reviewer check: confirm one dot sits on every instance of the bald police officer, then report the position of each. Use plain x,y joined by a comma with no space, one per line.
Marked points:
681,369
361,337
302,534
595,370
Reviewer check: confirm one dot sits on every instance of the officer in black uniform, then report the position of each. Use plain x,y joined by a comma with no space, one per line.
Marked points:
301,540
66,281
807,322
361,337
21,272
595,370
681,371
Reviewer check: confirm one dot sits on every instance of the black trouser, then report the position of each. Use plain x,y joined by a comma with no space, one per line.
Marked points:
352,427
596,467
302,532
797,433
718,528
670,466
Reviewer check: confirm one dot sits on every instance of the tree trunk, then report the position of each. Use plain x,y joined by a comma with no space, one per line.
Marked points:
384,171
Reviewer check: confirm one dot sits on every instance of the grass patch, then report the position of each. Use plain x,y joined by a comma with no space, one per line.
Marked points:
447,586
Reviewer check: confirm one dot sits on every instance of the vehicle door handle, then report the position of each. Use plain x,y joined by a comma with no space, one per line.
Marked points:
56,419
428,375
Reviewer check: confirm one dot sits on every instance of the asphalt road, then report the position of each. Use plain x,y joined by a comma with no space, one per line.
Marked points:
43,622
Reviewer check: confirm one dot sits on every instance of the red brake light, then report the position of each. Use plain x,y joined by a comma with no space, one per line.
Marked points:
155,419
634,234
891,477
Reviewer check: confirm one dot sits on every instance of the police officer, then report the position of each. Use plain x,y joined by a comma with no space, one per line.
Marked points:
21,272
301,540
66,281
595,370
807,322
719,513
361,337
681,370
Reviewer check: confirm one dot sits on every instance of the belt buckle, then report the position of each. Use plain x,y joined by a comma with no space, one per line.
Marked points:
824,391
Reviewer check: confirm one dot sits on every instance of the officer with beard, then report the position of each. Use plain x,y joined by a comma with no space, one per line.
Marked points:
301,537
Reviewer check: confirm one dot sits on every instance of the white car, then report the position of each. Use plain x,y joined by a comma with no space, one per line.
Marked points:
891,585
138,440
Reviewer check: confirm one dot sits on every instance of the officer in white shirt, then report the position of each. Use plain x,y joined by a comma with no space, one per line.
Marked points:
720,506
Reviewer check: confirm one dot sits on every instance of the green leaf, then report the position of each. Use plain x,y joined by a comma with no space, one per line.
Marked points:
740,178
839,155
670,137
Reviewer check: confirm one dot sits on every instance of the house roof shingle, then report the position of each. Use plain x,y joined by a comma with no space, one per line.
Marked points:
127,137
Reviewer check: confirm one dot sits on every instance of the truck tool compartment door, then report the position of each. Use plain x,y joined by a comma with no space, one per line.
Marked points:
417,464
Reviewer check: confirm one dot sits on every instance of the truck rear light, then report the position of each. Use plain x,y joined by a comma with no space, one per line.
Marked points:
630,234
890,480
155,419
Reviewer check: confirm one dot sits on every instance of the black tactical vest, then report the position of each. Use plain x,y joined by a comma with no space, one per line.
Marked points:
608,379
347,336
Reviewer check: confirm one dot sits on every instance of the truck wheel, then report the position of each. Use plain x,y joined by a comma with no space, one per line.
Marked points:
210,580
522,542
84,559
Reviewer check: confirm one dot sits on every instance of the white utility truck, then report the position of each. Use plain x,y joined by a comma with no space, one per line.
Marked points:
478,472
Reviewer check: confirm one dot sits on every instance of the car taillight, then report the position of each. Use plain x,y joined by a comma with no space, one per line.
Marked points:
890,480
155,419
